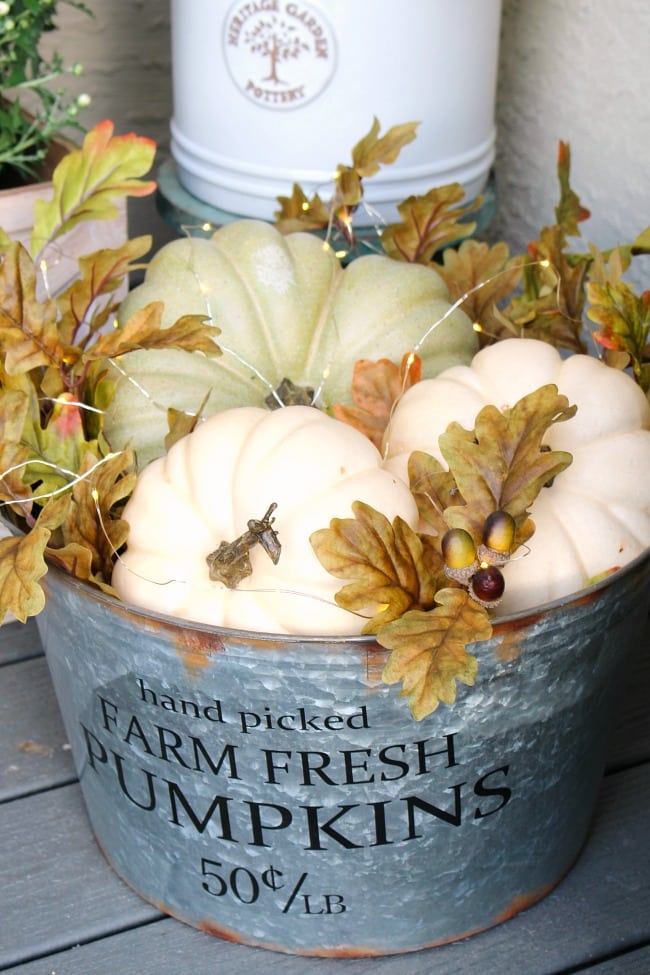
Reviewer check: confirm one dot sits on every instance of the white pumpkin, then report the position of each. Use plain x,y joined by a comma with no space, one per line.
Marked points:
228,471
596,514
286,309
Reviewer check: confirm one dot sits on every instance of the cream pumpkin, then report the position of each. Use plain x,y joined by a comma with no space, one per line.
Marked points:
596,514
228,471
286,309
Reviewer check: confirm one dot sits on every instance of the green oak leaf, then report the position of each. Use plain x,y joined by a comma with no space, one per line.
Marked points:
624,320
88,180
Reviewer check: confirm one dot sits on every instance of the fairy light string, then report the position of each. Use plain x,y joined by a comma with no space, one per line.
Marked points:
72,478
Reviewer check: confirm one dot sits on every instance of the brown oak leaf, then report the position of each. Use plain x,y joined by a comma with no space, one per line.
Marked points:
92,521
486,276
29,336
143,331
428,223
376,388
433,488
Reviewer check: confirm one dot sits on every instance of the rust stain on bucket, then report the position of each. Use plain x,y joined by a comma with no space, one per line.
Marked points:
197,648
523,901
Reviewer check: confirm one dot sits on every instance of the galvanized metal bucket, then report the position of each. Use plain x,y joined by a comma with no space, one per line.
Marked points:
273,791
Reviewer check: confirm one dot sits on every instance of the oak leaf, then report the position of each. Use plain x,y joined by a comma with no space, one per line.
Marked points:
143,330
624,320
392,568
482,276
376,388
88,180
29,336
503,463
552,303
429,650
569,211
428,223
16,400
181,424
100,275
297,212
368,155
373,151
93,520
21,566
433,488
57,448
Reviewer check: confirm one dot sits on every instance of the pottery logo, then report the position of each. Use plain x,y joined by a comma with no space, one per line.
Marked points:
279,54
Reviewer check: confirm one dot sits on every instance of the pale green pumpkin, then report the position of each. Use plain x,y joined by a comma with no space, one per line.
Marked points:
285,308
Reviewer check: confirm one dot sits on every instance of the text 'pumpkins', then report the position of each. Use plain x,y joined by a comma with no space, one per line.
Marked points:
285,308
228,472
595,516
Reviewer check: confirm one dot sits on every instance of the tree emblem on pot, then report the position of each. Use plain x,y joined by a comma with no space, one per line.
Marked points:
281,56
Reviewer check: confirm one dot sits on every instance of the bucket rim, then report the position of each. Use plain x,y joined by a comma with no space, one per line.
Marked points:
501,624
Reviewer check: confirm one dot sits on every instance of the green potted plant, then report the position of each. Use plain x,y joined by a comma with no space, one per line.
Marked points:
227,604
35,111
40,122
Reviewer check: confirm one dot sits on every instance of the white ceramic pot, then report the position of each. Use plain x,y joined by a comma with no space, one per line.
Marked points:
271,92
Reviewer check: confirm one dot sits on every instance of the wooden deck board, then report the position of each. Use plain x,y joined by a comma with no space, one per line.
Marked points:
34,752
19,642
64,911
57,889
631,963
601,908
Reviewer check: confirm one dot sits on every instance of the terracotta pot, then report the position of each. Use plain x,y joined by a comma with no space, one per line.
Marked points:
17,215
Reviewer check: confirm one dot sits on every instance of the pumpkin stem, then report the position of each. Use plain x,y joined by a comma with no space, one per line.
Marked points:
230,561
289,394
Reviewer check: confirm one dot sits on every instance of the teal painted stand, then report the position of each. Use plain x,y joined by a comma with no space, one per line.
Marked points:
190,216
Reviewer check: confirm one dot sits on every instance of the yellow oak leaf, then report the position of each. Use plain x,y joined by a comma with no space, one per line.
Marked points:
429,650
297,212
391,568
21,566
88,180
502,463
373,150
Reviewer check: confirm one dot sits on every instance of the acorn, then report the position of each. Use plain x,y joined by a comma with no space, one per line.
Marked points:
499,532
459,555
487,586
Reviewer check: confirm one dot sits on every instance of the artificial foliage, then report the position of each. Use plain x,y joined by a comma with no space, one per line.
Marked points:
64,484
30,78
550,292
426,618
60,476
